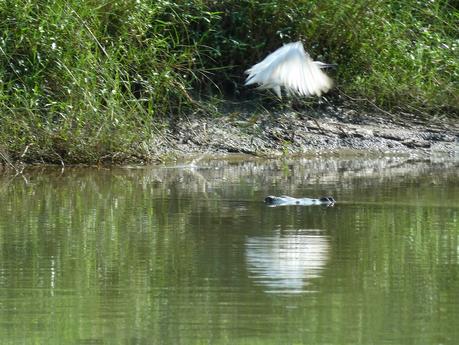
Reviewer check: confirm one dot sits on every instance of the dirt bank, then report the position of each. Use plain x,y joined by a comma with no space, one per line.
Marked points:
327,131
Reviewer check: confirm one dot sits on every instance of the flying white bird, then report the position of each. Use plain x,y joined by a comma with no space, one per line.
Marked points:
292,68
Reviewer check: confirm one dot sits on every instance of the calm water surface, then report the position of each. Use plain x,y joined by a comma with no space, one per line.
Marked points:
191,255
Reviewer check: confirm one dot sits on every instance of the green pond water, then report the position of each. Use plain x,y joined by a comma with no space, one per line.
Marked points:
190,254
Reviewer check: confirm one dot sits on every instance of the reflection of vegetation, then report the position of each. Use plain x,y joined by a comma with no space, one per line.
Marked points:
158,254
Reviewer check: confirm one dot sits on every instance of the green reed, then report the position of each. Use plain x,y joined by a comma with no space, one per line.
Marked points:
89,81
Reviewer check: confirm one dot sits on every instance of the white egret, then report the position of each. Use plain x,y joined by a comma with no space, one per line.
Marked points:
293,69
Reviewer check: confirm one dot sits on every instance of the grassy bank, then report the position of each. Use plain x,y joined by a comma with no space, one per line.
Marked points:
88,81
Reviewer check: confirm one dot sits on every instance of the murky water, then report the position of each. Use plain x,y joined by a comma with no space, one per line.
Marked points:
191,255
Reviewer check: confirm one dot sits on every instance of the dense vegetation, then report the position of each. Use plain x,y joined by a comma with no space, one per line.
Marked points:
83,80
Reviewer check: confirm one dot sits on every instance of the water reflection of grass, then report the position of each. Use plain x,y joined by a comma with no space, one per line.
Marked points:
159,254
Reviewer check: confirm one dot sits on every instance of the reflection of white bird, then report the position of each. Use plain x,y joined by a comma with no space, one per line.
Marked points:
292,68
286,262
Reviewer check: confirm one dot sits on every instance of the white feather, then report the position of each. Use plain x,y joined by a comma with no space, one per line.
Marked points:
293,69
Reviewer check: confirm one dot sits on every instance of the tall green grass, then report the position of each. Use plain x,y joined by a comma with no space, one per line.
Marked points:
395,53
84,81
88,81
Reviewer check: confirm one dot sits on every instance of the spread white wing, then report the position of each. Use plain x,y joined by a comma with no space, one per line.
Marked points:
292,68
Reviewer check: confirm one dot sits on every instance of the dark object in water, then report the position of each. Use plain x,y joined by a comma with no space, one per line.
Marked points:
285,200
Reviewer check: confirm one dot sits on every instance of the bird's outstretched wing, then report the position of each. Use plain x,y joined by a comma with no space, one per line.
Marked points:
292,68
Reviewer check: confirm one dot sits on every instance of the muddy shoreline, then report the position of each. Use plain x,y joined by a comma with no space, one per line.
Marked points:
326,131
334,130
